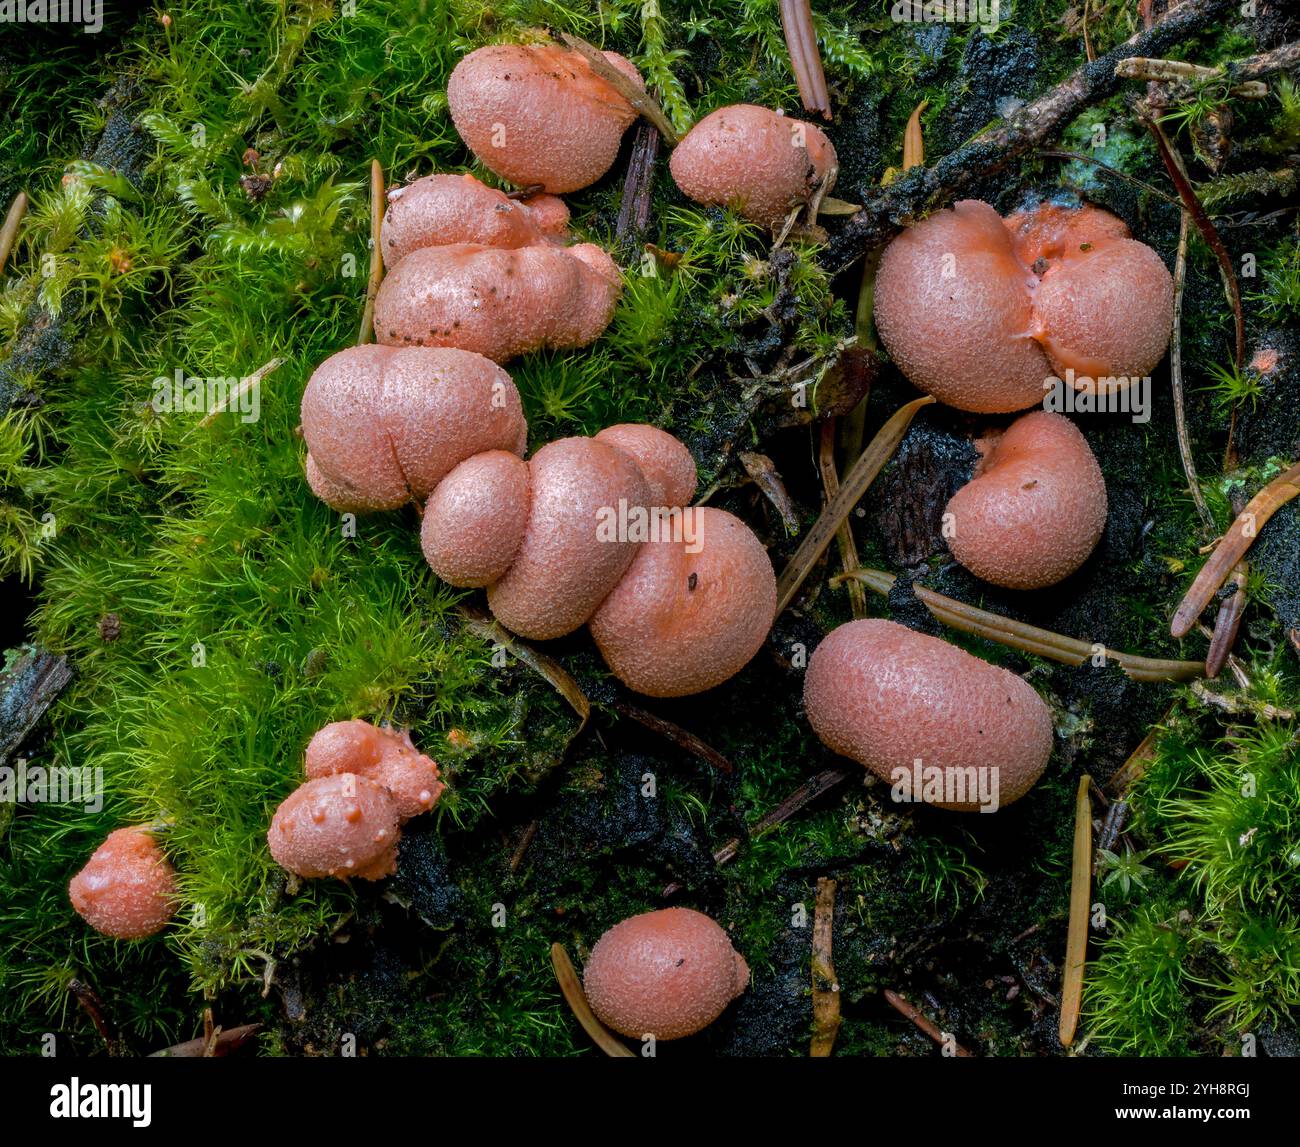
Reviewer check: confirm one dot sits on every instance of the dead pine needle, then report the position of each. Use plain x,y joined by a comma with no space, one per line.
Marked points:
804,795
825,987
1228,620
1176,376
377,203
9,232
805,59
1076,944
571,988
234,397
1233,547
844,535
1028,638
540,663
855,483
643,102
1135,767
913,141
911,1012
683,738
1192,204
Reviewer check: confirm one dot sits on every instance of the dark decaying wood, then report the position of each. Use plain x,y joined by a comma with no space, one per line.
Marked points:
26,691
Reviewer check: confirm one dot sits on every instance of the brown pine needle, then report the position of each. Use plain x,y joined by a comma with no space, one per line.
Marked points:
1028,638
1133,769
1181,432
913,141
9,232
860,476
1191,201
1076,944
571,989
234,397
844,535
1228,621
1233,547
825,987
643,102
377,202
805,59
1081,157
804,795
683,738
903,1007
546,667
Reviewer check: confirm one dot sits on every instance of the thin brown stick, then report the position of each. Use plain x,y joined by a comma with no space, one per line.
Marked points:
93,1006
234,397
525,839
825,987
805,59
1087,40
679,736
9,232
643,102
1233,547
1205,225
854,485
1028,638
1076,944
844,535
634,209
1176,377
545,666
377,203
807,792
571,990
901,1005
1281,59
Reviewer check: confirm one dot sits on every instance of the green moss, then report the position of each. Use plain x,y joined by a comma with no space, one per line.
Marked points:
1137,999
